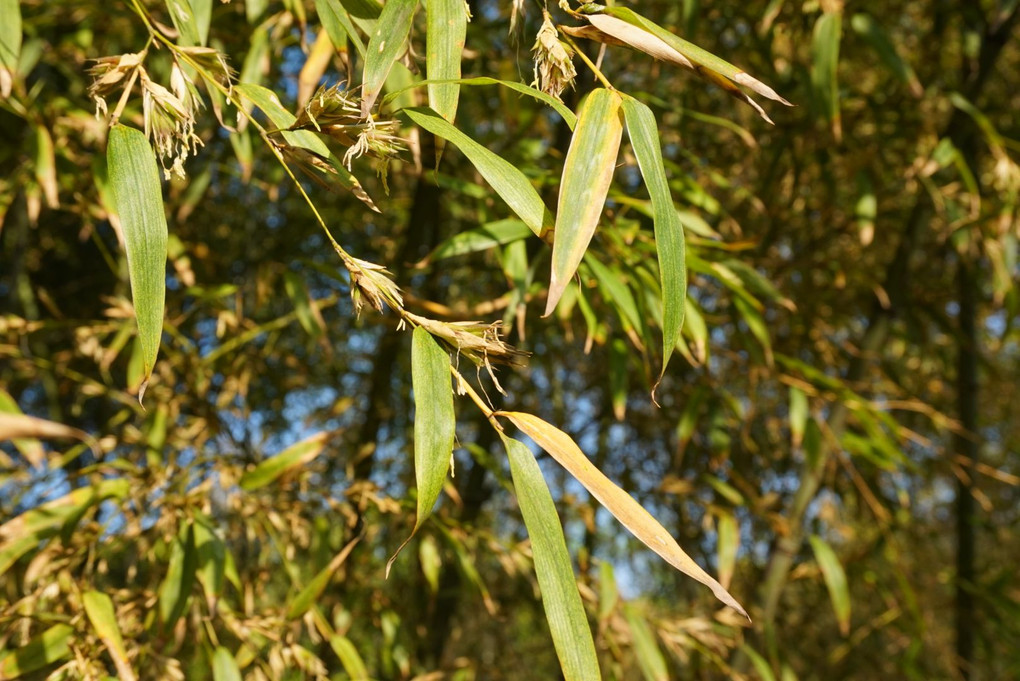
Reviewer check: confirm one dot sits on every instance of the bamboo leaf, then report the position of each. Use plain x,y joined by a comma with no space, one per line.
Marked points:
564,610
349,657
10,44
294,285
307,597
292,457
19,426
175,589
587,174
434,424
729,543
99,609
619,377
446,29
138,199
44,649
825,59
224,667
481,238
670,244
869,29
835,581
386,45
646,650
338,25
183,18
798,416
506,179
629,512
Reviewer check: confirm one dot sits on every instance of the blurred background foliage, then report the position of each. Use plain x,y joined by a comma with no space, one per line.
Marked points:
837,441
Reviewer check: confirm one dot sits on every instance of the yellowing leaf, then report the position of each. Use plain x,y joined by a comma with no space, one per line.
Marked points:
444,42
629,512
564,610
384,48
138,199
99,609
587,174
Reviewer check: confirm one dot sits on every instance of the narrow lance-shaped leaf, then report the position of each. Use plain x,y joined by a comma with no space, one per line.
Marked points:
338,25
44,649
669,233
99,609
506,179
384,48
138,199
623,26
224,667
869,29
10,44
825,59
835,581
446,30
646,650
629,512
587,174
272,468
434,422
564,611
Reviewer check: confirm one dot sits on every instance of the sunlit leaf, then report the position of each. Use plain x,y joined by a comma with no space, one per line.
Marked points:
629,512
349,657
444,43
42,650
292,457
338,25
386,45
481,238
669,234
428,558
138,198
835,581
10,43
175,590
587,173
183,18
798,416
224,667
294,286
560,598
101,614
619,377
506,179
307,597
729,543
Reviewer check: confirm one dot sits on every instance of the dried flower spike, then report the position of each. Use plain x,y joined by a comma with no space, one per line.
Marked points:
554,70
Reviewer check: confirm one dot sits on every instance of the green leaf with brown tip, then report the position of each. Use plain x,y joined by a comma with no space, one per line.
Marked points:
138,200
587,174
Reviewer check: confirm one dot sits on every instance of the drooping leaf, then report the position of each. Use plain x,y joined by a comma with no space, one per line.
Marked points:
386,45
669,233
224,667
506,179
646,649
444,43
587,174
869,29
44,649
292,457
835,581
630,513
623,26
349,657
562,603
138,199
824,60
10,44
99,609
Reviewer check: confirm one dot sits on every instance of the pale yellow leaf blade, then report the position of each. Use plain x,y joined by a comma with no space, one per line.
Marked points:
634,517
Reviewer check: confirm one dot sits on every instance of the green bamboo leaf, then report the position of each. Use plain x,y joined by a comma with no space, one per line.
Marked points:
294,285
729,542
646,649
46,519
482,238
444,43
10,44
99,609
292,457
835,581
349,657
624,508
609,595
798,416
761,665
564,610
587,174
756,323
138,199
202,10
619,377
308,596
624,26
825,59
869,29
386,45
567,115
211,557
428,558
44,649
175,589
669,233
614,288
507,181
183,18
363,9
224,667
338,25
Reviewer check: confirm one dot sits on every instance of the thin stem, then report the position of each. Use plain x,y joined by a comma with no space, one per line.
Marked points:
594,69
